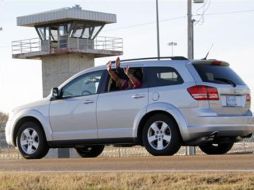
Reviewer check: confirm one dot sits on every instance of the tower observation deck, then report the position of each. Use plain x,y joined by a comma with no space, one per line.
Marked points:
67,30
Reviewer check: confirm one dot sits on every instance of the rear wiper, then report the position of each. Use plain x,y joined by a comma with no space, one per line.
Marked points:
227,81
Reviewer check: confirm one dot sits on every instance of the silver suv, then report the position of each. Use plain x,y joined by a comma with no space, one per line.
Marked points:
181,102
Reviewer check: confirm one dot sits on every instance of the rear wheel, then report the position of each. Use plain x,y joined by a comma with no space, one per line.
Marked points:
90,151
216,148
31,141
160,136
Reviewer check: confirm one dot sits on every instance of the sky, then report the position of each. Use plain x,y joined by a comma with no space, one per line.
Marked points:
225,25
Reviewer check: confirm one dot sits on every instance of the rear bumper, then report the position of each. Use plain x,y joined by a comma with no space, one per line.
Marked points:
223,126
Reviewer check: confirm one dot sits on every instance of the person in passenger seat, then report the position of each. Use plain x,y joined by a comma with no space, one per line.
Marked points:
127,78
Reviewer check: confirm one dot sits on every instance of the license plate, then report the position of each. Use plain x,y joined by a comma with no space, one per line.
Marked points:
231,101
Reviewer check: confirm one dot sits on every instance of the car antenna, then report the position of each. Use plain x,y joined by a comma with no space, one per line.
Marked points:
205,58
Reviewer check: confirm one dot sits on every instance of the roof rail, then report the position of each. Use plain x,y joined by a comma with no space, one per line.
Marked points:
154,58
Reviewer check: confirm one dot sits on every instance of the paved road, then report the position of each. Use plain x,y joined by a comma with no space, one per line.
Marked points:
143,164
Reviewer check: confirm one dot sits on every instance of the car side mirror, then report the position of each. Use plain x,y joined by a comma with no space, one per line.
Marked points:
55,93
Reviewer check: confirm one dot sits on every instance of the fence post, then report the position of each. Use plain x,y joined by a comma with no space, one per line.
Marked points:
78,44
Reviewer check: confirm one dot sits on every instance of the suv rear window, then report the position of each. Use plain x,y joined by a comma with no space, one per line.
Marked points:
219,74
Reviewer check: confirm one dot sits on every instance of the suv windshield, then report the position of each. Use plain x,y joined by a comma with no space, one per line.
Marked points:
218,74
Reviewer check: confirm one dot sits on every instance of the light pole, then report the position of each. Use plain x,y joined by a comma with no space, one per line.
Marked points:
190,150
158,29
172,44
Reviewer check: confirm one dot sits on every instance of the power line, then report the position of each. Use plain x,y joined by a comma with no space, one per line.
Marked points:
146,23
180,17
230,12
201,11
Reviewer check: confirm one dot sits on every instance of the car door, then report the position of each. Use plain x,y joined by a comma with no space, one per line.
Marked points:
117,110
73,116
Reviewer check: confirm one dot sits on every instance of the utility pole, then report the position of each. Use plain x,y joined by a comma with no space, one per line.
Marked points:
190,27
190,22
191,150
158,29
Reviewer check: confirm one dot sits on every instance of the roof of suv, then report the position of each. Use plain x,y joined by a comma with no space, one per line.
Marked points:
151,61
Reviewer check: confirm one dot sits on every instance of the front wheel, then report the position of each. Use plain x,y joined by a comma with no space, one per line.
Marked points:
216,148
31,141
160,136
90,151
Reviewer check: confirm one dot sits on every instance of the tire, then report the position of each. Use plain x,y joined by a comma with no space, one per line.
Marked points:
160,136
90,151
31,141
216,148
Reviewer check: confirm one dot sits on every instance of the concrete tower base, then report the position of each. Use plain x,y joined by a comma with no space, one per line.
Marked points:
58,68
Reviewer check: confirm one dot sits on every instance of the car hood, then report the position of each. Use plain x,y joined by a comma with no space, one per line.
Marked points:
34,105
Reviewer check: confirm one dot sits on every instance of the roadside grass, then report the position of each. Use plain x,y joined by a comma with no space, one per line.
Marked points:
125,181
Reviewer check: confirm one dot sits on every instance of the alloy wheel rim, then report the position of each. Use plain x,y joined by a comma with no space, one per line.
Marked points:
159,135
29,140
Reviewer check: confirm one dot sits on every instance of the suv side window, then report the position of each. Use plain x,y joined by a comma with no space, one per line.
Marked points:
162,76
84,85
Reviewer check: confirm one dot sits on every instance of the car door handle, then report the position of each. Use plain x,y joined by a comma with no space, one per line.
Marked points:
138,96
88,101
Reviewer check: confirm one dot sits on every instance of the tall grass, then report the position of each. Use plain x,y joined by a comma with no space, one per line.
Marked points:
126,181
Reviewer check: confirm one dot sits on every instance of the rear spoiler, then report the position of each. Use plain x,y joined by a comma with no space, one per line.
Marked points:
211,62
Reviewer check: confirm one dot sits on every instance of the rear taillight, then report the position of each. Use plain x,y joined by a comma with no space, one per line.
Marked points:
248,97
202,92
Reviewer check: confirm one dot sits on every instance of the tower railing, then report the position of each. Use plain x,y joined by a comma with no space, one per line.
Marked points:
69,43
26,46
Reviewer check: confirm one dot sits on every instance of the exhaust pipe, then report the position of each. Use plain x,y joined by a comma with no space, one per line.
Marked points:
207,138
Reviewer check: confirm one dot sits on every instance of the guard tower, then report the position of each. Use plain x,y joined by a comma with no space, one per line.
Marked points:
68,42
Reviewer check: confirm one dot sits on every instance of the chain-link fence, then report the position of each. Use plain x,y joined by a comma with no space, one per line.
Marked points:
9,152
